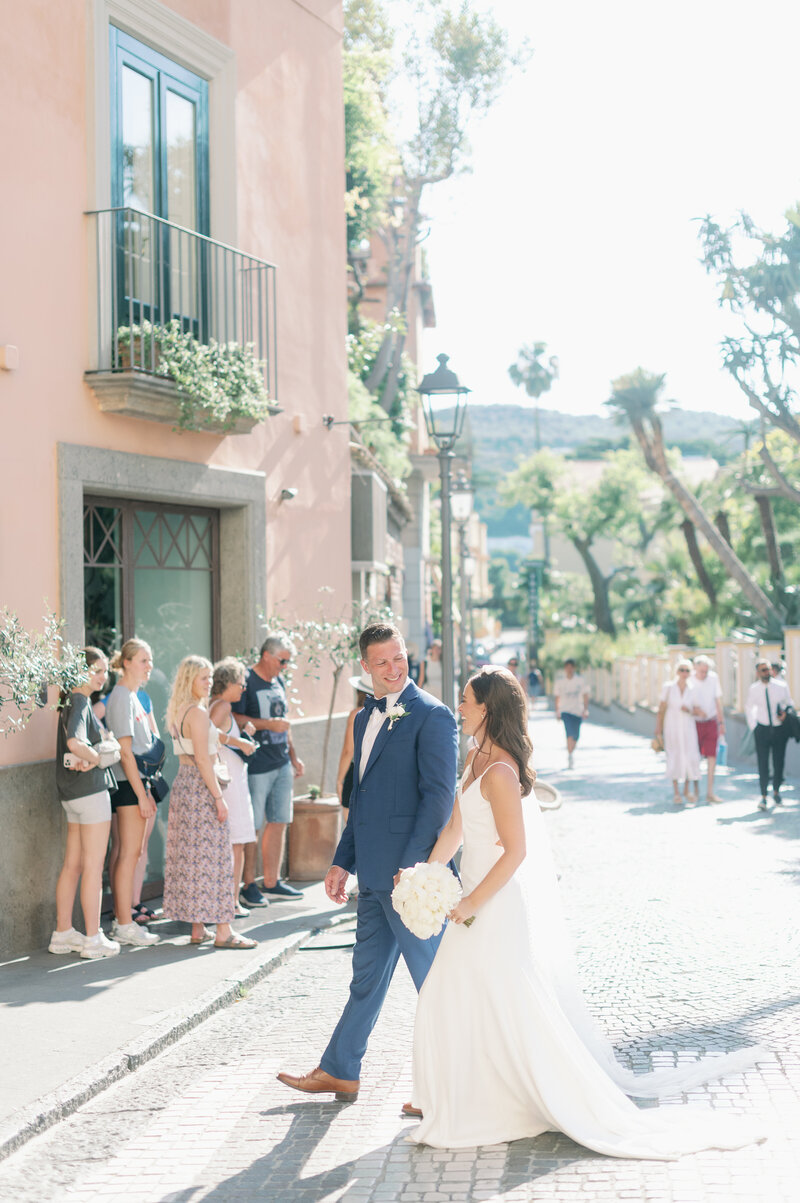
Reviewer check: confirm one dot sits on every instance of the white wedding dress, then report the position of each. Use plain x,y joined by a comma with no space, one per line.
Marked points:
504,1045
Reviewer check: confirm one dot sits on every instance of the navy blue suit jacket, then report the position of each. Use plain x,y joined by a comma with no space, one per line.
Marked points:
406,795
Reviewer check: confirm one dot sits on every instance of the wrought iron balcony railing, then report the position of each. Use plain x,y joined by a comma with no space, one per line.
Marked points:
149,272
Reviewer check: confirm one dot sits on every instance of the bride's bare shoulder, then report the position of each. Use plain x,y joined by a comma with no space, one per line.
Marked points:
493,779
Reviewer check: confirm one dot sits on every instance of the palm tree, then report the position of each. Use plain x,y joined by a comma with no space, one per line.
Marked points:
635,398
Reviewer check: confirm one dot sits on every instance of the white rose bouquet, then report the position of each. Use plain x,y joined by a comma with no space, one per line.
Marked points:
424,897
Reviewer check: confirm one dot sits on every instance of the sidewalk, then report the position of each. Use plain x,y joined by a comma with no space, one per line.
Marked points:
72,1027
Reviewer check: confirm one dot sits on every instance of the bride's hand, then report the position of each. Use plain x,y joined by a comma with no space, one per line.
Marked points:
462,912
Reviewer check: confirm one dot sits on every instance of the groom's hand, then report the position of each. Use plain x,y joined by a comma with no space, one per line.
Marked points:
335,882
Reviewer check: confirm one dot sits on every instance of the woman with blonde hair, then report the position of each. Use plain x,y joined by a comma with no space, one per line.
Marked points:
132,803
198,878
676,721
227,687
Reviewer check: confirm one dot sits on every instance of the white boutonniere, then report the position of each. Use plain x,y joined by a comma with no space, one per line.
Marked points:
394,715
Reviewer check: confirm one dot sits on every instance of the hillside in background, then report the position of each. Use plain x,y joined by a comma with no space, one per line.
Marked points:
498,436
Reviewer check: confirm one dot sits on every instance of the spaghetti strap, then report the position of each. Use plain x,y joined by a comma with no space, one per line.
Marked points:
503,764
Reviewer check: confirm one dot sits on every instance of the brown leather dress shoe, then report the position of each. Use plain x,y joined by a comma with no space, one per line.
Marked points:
318,1082
411,1110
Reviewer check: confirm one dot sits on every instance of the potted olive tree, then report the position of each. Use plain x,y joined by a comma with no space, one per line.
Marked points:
329,646
29,662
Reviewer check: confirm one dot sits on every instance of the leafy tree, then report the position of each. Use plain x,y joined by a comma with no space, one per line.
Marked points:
454,60
763,292
582,515
384,439
29,662
370,154
508,601
535,374
635,398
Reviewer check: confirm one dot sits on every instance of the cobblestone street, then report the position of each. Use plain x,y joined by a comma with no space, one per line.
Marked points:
686,922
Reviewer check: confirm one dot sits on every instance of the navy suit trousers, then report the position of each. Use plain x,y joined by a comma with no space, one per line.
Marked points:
381,937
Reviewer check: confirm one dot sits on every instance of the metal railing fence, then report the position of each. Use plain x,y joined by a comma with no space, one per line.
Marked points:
149,272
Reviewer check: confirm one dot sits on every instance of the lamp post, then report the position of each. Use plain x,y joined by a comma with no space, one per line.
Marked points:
470,566
444,403
461,508
534,590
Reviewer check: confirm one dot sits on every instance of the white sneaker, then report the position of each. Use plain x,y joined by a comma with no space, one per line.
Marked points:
98,946
132,933
62,942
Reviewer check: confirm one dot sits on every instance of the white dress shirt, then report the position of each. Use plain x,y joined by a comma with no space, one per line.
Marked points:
756,706
374,723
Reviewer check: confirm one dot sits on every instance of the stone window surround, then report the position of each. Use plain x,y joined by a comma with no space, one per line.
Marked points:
240,497
193,48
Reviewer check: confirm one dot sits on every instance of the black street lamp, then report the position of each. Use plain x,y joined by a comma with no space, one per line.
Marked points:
444,403
461,498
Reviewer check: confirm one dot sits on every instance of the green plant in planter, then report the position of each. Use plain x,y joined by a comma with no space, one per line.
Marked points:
217,382
314,792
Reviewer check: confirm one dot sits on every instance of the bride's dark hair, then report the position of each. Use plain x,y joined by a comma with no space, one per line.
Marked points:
506,718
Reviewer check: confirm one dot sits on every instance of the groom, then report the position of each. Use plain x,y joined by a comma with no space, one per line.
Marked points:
404,783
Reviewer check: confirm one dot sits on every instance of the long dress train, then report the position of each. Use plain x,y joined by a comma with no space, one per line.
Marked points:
505,1046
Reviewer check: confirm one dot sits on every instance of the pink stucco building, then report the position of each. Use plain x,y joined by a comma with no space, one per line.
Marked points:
164,160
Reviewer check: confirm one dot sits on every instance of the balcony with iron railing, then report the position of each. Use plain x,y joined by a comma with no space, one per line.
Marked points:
185,325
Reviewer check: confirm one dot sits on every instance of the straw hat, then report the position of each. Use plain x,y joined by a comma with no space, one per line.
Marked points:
363,684
546,795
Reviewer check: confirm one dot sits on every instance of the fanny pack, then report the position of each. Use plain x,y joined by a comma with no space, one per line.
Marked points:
150,764
152,761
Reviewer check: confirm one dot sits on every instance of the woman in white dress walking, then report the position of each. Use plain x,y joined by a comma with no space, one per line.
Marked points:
504,1045
676,720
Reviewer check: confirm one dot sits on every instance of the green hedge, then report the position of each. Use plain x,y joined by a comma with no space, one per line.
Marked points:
593,649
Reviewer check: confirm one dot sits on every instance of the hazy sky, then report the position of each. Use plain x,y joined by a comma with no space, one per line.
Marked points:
576,225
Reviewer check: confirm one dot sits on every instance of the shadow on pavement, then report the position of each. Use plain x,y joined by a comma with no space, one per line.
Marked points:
44,978
278,1173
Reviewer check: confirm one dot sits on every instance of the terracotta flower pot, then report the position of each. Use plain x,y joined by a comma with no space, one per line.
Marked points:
313,837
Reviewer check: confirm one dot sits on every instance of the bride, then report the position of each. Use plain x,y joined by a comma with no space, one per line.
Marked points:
504,1045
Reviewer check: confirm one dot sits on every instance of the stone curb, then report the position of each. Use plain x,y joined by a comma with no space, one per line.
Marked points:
37,1117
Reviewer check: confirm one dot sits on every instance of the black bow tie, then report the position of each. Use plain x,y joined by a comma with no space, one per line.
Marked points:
371,704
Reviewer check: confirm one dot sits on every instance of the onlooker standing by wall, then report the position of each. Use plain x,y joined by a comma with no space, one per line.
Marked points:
132,803
272,769
571,694
765,711
513,667
431,676
83,791
709,717
535,684
344,774
227,688
676,721
141,914
415,665
198,875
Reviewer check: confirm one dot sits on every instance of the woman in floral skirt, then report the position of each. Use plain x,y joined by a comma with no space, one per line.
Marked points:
198,878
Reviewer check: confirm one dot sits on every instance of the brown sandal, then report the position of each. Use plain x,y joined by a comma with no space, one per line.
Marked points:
410,1110
206,936
234,941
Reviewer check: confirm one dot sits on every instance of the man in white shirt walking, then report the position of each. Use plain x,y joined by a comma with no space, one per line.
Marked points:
711,723
765,711
571,695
